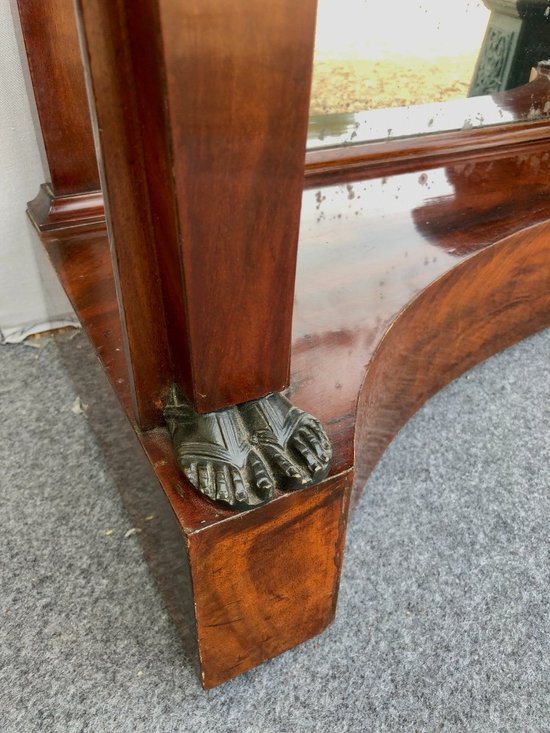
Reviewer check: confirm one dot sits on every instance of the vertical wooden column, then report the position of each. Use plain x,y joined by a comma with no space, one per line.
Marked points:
238,78
201,114
202,111
51,44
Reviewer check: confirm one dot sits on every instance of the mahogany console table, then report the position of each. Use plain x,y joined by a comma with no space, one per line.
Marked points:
222,262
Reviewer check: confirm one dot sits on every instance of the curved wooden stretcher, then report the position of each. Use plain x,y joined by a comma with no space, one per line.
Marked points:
407,275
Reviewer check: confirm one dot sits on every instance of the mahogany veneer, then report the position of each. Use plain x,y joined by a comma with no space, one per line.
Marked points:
402,284
50,37
202,169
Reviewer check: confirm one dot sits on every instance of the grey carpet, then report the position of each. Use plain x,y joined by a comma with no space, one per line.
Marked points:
444,615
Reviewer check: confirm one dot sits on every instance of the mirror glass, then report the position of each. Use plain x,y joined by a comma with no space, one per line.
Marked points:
386,69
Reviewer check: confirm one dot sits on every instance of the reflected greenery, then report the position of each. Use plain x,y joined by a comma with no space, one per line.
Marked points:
374,79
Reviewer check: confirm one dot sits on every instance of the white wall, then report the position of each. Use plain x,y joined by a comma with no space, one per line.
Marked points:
31,299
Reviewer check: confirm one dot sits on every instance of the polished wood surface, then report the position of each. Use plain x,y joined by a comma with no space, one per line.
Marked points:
263,581
369,248
415,261
524,112
49,211
238,169
267,580
51,44
403,282
363,259
135,226
203,167
490,301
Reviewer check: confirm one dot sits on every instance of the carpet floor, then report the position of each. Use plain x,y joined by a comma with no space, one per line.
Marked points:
443,621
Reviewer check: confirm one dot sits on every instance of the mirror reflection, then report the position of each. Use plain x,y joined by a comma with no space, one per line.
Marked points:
385,70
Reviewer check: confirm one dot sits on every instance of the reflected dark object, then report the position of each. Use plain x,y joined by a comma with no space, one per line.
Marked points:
481,199
517,38
530,101
441,221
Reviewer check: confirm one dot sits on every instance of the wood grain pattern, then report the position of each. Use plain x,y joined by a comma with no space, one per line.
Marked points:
251,572
51,45
487,303
49,211
392,302
124,171
268,579
370,247
357,161
238,169
356,273
403,281
203,172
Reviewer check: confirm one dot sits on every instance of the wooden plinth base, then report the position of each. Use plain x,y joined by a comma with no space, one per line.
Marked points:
240,587
50,212
403,283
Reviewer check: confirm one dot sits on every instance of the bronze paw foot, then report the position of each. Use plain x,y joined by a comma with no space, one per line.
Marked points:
240,455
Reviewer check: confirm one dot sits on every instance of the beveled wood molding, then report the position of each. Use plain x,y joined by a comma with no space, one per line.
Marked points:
355,162
50,43
49,212
528,104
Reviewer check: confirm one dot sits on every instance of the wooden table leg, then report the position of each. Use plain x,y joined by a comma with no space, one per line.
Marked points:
72,194
203,171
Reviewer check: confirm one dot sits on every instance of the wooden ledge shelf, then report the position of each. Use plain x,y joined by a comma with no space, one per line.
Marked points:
357,145
402,284
49,212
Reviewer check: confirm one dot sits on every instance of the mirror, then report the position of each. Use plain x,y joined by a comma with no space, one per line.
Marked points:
385,70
